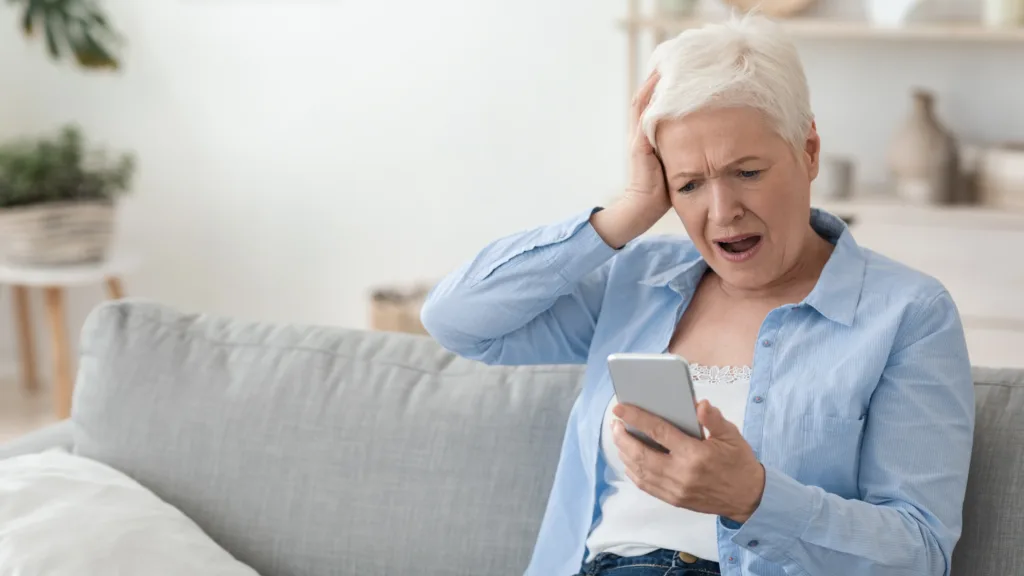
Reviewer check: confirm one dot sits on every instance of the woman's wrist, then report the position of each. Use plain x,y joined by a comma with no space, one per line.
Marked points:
622,222
749,502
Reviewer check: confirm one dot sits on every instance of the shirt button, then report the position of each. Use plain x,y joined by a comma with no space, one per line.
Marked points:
766,343
732,559
753,543
758,399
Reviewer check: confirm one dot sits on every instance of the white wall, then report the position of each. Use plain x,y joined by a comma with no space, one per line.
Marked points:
293,154
14,66
16,111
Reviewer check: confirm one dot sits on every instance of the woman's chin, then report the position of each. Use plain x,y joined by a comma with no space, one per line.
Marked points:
741,277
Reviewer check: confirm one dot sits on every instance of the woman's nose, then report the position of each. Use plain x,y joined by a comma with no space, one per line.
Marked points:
725,204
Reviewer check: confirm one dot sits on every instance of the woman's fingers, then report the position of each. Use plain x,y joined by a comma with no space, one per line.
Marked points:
647,91
641,144
641,100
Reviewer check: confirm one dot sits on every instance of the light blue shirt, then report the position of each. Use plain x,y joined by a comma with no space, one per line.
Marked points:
861,404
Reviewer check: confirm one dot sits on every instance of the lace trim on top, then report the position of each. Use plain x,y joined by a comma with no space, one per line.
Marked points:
719,374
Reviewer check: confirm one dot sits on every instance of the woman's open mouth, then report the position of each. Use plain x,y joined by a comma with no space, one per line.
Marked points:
739,248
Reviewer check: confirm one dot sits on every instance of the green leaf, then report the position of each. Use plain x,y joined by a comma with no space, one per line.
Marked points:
97,18
76,24
88,51
53,34
58,169
32,9
93,54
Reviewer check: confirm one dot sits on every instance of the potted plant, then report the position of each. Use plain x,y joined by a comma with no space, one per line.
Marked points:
77,27
57,199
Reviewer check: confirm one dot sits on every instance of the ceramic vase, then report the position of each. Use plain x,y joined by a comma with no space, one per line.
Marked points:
677,8
923,158
890,13
1003,13
835,179
1002,176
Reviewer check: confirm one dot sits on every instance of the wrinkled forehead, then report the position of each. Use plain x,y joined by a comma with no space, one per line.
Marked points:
718,134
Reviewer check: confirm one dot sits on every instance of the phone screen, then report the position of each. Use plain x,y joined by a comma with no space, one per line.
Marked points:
659,384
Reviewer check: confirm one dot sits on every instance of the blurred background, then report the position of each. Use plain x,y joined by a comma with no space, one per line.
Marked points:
325,161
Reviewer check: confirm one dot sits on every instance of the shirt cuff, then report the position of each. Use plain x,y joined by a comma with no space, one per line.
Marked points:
588,249
786,509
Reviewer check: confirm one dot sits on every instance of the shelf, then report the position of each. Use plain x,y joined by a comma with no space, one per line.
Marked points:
807,28
889,212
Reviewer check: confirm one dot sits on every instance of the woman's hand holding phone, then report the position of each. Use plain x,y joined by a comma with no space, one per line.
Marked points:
719,475
714,473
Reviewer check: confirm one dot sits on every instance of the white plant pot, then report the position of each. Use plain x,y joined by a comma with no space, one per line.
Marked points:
56,234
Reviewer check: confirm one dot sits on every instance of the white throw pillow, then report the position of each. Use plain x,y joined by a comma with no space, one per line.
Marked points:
64,515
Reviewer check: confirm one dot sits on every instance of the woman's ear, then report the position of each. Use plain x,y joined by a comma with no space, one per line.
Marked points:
812,152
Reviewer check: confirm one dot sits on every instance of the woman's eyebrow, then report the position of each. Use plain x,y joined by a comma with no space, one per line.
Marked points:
727,166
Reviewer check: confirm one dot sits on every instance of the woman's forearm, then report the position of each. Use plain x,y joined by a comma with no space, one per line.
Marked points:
804,528
626,220
529,298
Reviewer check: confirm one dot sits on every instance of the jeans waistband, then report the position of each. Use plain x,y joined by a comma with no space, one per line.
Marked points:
659,558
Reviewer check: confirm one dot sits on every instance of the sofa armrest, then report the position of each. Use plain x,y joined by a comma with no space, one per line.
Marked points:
59,435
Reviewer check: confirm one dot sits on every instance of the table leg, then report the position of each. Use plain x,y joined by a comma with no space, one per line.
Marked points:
26,341
63,386
114,288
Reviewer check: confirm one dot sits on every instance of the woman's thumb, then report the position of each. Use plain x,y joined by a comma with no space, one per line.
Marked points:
711,418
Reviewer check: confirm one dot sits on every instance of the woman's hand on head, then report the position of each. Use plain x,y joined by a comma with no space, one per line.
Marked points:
645,200
719,475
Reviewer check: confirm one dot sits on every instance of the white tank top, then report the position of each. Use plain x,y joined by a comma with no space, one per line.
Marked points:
633,522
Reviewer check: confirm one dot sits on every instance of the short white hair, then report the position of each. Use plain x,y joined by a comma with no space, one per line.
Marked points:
747,61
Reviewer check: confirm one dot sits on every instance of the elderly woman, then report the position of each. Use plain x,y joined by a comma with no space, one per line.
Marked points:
834,383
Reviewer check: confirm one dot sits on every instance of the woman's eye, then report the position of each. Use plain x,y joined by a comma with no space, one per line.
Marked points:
749,174
689,187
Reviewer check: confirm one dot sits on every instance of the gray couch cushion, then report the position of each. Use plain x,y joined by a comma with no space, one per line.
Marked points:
320,451
992,543
57,435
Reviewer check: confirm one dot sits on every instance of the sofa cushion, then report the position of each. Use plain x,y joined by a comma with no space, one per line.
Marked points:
992,542
64,515
312,451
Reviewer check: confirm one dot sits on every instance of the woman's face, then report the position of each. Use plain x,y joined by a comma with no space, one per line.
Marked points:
741,191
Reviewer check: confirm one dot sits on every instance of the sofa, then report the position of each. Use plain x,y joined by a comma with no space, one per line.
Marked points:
320,451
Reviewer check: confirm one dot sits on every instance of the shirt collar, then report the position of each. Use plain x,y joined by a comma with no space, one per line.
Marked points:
835,295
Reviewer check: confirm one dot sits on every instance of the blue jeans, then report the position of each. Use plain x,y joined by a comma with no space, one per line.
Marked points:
657,563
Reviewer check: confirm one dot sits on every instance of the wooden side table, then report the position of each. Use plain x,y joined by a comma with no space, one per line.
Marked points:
398,309
53,281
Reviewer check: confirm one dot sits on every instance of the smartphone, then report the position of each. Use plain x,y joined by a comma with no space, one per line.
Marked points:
660,384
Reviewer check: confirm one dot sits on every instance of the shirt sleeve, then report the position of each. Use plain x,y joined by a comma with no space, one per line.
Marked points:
915,458
529,298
